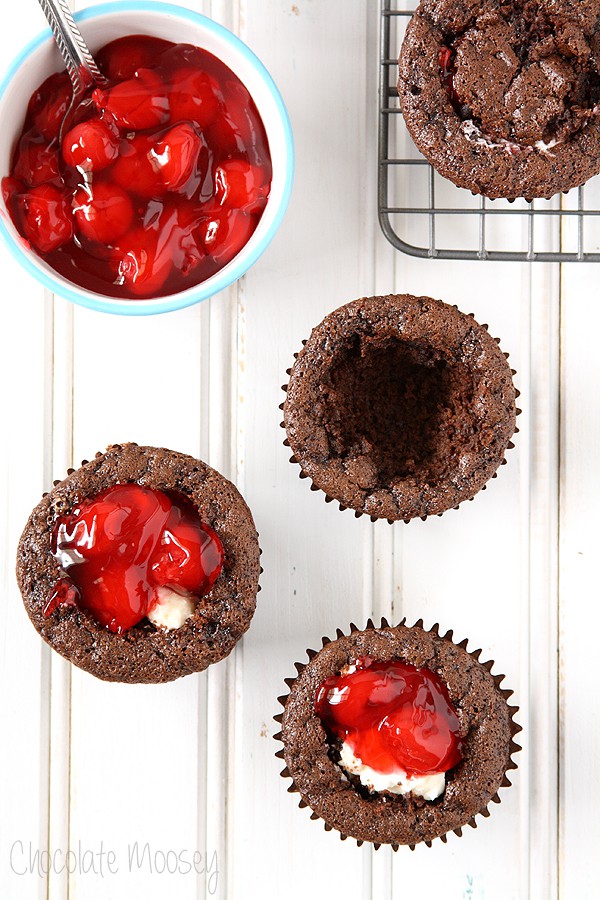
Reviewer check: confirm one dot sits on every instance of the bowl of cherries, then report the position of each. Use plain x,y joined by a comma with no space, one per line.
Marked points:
165,184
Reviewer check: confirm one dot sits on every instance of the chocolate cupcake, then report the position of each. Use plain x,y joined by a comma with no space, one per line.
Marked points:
503,96
141,566
399,407
396,735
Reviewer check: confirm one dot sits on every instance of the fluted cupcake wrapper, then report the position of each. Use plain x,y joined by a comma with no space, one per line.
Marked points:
515,728
374,518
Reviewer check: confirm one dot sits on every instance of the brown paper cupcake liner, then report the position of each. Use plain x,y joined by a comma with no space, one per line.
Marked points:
85,643
375,518
515,728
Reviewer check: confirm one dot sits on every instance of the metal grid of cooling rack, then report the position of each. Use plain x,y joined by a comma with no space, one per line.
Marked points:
424,215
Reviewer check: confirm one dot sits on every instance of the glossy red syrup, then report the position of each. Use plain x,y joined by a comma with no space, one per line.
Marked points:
394,716
158,184
118,548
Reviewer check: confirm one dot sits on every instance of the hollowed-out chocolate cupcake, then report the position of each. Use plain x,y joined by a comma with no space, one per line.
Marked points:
141,566
503,96
396,735
399,407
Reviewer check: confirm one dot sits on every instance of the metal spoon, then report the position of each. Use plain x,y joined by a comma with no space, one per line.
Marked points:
81,65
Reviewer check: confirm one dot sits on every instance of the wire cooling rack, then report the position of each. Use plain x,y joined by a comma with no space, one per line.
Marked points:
425,215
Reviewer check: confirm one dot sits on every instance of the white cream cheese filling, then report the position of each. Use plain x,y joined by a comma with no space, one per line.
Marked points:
398,782
474,134
172,609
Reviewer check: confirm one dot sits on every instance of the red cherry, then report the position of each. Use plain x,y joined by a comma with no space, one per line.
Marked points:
119,546
64,593
189,558
36,161
91,145
240,185
141,265
46,216
244,121
48,105
178,225
175,156
103,212
140,102
224,234
224,138
134,170
93,527
11,187
193,96
243,114
122,58
115,594
446,58
103,545
394,716
166,243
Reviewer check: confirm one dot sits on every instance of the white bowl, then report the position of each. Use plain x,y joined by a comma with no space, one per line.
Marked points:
103,23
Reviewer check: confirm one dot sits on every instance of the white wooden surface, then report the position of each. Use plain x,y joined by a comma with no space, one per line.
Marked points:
137,771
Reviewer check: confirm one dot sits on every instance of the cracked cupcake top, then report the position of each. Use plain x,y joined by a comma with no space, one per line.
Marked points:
503,96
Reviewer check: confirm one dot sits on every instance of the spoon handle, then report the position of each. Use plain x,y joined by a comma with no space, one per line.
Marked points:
81,66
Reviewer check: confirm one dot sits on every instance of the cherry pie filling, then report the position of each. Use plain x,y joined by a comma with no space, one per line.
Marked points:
129,553
393,724
160,180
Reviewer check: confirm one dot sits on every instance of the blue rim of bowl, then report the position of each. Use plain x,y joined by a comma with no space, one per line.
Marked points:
173,302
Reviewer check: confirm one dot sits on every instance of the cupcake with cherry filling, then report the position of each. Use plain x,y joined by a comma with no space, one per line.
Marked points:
396,735
141,566
503,96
